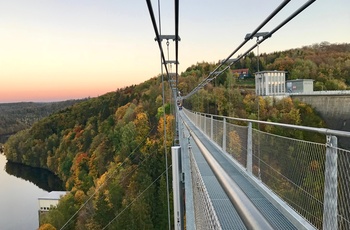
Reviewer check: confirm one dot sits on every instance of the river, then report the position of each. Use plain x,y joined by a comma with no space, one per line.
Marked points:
20,188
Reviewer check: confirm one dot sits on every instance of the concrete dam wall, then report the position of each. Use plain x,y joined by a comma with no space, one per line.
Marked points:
334,109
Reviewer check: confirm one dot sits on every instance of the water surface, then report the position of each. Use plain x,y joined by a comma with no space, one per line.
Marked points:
19,195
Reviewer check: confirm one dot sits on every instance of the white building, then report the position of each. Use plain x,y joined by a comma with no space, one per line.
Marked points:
270,83
50,201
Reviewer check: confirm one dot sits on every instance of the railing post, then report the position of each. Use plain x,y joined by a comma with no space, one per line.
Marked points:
211,127
224,136
200,121
205,124
250,149
183,130
177,172
330,205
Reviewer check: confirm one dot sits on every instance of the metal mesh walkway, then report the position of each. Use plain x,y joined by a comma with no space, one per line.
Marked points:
226,213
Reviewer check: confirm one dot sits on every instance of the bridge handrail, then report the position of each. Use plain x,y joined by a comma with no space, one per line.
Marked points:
291,126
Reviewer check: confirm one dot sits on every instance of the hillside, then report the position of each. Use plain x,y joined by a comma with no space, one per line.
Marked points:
327,64
22,115
114,141
111,148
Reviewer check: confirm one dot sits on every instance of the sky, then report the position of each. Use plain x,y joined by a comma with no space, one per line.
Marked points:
52,50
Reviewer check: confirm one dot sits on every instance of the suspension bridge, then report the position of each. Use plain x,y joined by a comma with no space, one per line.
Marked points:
229,175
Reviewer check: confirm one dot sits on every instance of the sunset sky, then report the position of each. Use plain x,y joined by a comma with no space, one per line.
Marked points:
54,50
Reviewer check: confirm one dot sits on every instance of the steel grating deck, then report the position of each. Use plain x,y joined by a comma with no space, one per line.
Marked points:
225,211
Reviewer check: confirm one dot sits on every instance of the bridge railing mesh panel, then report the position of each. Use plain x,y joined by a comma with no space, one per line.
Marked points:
205,215
294,170
218,132
208,126
343,189
236,142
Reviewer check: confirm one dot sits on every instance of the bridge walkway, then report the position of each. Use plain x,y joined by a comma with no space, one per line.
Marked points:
226,213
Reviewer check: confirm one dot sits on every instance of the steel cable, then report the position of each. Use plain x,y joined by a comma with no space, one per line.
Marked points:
251,35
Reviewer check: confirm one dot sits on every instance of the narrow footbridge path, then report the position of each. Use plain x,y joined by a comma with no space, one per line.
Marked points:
220,193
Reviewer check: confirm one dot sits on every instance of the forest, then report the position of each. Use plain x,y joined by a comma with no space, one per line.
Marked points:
110,146
22,115
110,150
327,64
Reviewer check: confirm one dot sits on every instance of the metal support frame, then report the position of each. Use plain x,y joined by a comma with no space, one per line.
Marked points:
259,34
167,37
171,62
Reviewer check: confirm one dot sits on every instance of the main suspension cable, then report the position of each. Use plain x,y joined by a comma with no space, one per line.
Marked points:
176,41
150,9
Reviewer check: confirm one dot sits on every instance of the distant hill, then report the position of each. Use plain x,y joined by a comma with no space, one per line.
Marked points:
18,116
327,64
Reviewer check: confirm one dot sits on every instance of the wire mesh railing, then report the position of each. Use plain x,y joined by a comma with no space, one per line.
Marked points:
294,170
343,188
312,178
237,142
218,132
205,215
